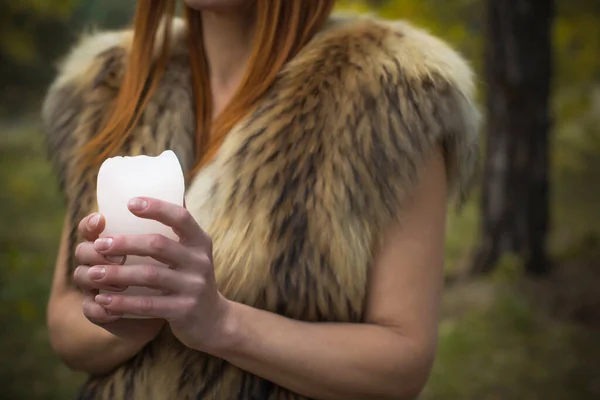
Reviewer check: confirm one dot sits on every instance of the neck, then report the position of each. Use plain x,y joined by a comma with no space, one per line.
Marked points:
227,42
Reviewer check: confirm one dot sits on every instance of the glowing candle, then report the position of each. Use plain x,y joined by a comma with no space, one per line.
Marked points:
122,178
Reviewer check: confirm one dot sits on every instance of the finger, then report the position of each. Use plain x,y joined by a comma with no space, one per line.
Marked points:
85,254
91,226
97,314
83,280
177,217
156,246
165,307
139,329
150,276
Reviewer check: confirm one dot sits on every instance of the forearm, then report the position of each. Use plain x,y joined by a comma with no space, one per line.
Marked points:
327,361
82,345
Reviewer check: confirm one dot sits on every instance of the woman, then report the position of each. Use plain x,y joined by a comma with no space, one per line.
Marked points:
321,153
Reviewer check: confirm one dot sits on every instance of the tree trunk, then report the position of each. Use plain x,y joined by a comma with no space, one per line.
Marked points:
515,196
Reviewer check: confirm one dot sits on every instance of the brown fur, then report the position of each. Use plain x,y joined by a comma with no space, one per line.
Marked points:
298,196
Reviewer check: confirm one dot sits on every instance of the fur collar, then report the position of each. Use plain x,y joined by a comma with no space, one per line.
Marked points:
302,189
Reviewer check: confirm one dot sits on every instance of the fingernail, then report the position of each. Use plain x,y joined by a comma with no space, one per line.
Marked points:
93,222
96,272
103,244
103,299
137,204
115,259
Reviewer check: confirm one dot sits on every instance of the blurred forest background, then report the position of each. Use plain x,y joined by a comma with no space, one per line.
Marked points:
505,333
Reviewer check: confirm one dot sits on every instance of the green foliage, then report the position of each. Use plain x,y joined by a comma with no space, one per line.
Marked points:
510,349
35,34
19,26
106,14
459,22
510,269
31,212
461,235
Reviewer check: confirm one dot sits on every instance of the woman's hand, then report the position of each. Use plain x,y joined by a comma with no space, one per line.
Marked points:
141,331
191,303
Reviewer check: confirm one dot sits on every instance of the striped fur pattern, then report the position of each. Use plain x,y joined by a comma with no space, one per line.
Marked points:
298,196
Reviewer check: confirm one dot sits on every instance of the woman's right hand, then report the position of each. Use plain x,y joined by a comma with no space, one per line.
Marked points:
138,330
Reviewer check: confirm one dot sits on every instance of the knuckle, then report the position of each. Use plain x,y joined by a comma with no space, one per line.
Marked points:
119,242
81,228
197,283
78,274
110,273
182,216
78,251
208,240
86,305
199,258
92,311
203,262
145,305
150,274
115,289
189,305
158,242
88,312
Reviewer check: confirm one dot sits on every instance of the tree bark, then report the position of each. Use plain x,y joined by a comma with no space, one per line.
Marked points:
515,191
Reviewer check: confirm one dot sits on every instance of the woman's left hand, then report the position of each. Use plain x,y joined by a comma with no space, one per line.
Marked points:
191,302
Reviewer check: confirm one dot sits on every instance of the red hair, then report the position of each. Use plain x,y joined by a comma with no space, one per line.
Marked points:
283,27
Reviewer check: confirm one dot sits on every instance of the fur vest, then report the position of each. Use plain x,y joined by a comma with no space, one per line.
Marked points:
298,196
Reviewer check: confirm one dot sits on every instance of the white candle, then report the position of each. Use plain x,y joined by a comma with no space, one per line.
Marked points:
122,178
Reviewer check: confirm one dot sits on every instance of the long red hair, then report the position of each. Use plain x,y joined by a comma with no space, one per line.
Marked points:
283,27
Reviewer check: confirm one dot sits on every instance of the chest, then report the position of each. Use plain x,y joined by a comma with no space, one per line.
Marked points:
282,238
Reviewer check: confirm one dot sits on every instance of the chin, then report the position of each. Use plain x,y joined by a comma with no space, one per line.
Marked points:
217,4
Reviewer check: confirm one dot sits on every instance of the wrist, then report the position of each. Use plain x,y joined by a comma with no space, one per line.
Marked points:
230,334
